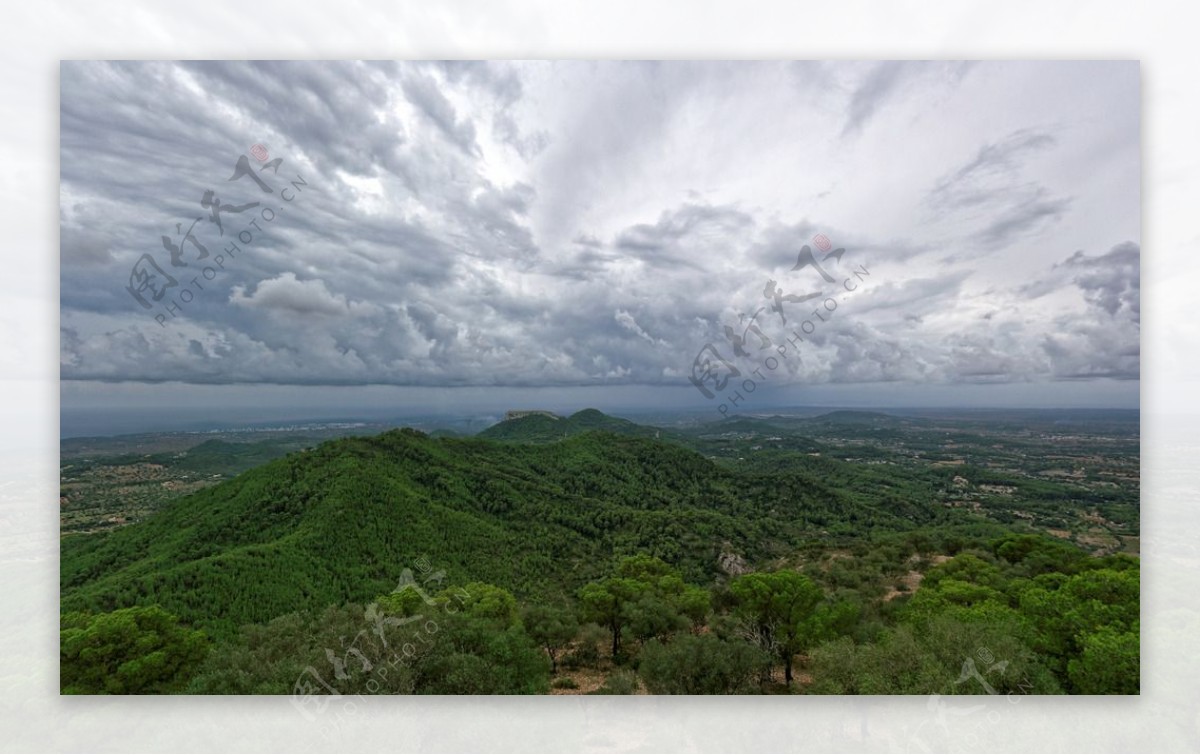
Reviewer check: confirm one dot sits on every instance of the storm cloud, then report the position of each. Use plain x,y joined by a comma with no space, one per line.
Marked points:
583,223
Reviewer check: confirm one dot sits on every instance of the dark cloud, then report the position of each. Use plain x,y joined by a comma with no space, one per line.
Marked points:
484,224
876,88
1021,220
1111,281
991,169
683,236
991,191
914,297
425,93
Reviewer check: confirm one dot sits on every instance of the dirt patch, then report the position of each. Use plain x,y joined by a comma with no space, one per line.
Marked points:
911,582
1131,544
832,556
586,680
998,489
1099,542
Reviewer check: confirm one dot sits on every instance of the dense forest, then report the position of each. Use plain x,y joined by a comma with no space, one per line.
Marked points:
588,554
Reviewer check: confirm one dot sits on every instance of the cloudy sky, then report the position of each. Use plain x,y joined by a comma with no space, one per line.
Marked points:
469,234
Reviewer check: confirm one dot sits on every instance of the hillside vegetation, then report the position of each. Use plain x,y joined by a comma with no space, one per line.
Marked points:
608,553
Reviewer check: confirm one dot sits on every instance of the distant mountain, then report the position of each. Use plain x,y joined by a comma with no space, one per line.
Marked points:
219,456
341,522
540,428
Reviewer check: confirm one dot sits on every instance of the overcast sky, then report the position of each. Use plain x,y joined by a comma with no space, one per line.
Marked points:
590,226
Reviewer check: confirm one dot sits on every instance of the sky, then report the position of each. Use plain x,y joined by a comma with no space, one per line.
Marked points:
397,237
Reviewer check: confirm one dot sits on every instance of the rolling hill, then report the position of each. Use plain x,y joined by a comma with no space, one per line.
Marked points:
539,428
342,521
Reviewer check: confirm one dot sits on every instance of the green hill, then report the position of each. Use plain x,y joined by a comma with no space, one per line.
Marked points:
342,521
539,428
855,420
219,456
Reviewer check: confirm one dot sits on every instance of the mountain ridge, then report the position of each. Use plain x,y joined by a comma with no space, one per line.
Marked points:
539,428
342,521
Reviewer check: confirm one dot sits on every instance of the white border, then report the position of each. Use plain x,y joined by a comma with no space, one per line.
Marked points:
35,36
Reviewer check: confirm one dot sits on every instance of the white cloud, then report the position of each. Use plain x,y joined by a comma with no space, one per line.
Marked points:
290,296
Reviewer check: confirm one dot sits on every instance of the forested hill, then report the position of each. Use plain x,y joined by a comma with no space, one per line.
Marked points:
341,522
540,428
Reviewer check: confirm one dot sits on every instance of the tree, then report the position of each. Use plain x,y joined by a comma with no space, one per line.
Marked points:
1066,612
1110,664
346,648
944,655
779,606
607,603
552,628
131,651
968,568
484,601
1038,554
653,616
700,665
935,599
644,568
469,655
647,596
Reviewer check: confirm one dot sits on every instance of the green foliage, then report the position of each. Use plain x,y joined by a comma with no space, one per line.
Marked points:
966,568
552,628
781,607
338,649
586,651
402,602
653,616
1109,665
1083,626
338,523
473,656
944,656
1035,555
932,600
646,598
701,665
452,647
483,601
615,529
608,603
538,428
1097,609
131,651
